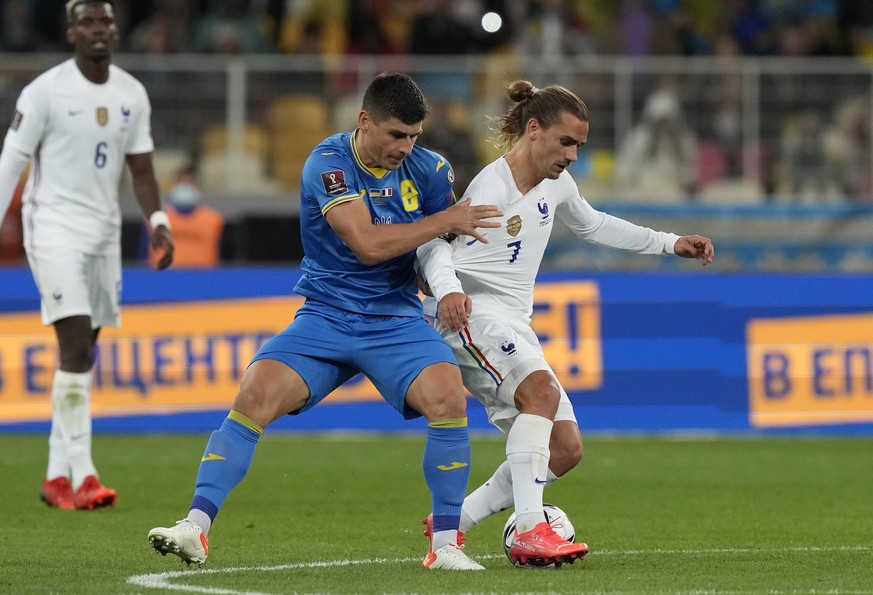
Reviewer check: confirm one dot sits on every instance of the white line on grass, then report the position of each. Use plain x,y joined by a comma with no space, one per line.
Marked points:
162,580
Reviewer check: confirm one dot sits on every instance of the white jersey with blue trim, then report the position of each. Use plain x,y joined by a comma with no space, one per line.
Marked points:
499,276
78,134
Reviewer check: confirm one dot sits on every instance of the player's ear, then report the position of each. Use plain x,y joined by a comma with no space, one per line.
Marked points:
533,127
364,120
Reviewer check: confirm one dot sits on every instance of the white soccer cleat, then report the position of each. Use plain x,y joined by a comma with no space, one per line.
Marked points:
186,540
450,557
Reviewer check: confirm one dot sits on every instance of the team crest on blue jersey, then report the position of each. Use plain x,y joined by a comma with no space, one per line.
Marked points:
513,225
334,181
102,116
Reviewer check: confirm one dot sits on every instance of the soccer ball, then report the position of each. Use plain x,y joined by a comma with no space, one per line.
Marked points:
556,517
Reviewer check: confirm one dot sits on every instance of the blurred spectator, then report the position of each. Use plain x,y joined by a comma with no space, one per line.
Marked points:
437,31
197,228
847,144
750,27
16,26
657,159
314,27
378,27
228,28
552,30
447,131
636,22
803,158
165,30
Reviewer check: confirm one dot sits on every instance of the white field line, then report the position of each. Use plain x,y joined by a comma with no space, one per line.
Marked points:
163,580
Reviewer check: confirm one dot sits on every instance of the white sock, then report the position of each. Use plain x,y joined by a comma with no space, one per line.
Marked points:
491,497
58,465
441,538
201,519
71,422
527,451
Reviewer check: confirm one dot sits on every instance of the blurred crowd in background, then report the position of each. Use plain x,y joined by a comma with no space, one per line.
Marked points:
572,27
694,102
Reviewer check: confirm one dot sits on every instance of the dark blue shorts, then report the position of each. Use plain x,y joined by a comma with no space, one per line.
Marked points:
327,346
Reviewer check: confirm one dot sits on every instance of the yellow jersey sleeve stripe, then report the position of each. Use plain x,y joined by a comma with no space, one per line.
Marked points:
339,200
242,419
452,422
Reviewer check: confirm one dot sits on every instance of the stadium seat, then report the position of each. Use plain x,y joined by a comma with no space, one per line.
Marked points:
215,138
297,124
299,112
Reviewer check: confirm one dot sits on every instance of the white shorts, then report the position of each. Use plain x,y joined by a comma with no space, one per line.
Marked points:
495,357
72,283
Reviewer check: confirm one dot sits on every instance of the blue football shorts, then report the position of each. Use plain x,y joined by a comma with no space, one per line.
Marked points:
327,346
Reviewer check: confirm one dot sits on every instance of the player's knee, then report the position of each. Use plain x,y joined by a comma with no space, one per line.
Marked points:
538,395
444,405
77,357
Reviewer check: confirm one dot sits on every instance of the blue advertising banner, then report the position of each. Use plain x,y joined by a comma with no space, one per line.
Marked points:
637,352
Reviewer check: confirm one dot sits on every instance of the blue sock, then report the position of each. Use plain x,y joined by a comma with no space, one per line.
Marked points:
446,470
225,462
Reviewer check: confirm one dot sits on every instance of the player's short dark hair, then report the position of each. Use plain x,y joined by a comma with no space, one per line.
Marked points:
73,4
395,95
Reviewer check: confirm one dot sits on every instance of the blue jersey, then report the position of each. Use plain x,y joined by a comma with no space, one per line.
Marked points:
331,273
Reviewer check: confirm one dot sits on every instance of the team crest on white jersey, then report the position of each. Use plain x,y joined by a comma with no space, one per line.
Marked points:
513,225
102,116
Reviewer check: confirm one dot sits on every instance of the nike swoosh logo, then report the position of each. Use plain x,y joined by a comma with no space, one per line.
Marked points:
539,481
452,467
328,153
212,457
75,112
471,242
440,163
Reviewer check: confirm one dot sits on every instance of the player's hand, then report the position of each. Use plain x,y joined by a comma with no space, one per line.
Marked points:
454,310
464,219
697,247
162,243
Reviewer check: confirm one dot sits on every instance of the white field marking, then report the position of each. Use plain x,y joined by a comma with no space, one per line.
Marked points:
162,580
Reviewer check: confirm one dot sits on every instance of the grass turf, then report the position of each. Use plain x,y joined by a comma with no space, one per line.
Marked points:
341,514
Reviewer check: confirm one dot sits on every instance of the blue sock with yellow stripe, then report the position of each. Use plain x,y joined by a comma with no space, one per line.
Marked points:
225,462
446,470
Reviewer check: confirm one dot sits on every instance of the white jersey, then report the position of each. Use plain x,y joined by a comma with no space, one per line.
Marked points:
499,276
78,134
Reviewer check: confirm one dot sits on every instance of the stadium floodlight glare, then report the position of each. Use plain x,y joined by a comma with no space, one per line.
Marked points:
492,22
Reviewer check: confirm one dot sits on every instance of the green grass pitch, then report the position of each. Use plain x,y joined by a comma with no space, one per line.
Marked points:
342,514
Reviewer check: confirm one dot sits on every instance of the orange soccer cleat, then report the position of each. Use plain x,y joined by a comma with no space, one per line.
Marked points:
541,546
58,493
91,495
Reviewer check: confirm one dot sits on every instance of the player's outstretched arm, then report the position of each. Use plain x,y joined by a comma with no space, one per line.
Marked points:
697,247
465,220
373,244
